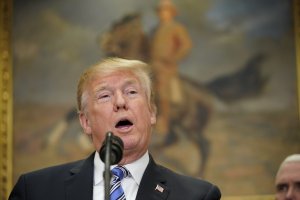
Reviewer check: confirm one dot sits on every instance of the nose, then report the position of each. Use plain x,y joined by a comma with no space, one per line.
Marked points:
120,102
290,193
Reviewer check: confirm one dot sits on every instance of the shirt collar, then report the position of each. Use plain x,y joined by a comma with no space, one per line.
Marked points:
136,168
98,169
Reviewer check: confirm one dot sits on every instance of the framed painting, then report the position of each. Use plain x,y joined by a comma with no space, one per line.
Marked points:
236,109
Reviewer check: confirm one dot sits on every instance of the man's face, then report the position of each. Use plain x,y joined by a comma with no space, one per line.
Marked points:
118,103
288,182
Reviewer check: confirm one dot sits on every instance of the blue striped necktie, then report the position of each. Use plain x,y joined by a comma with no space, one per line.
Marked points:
116,190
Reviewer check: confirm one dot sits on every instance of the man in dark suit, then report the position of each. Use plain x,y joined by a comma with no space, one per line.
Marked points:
114,95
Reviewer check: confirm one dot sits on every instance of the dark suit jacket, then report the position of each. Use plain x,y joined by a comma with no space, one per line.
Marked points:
74,181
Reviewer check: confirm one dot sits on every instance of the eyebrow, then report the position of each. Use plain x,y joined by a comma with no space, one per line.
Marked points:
281,184
100,88
131,82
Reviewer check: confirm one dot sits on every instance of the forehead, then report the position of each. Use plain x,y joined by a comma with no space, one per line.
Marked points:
289,172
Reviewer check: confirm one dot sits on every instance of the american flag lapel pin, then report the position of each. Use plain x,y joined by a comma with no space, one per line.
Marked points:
159,188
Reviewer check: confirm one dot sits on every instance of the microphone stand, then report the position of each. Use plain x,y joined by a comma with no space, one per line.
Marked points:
107,173
111,153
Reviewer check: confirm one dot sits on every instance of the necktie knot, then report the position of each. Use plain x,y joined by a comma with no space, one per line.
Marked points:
120,172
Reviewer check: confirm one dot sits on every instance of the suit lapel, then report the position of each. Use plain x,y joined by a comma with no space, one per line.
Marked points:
80,184
153,184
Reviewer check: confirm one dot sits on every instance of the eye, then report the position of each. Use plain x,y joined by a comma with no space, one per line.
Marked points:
103,96
282,187
131,91
297,186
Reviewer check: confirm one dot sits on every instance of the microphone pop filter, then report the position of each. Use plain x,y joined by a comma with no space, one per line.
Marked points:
117,147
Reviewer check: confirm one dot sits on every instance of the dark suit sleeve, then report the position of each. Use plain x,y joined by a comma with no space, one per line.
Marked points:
213,194
19,190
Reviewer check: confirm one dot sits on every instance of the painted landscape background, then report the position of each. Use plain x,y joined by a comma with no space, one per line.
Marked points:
250,126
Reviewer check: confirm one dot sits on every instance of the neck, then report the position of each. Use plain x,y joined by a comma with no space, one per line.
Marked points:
129,157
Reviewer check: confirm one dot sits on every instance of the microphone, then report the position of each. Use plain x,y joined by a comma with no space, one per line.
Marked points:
113,147
111,153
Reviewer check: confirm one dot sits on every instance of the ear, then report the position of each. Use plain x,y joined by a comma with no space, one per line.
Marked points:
153,115
84,121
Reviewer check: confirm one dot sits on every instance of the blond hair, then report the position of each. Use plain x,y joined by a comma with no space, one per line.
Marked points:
110,65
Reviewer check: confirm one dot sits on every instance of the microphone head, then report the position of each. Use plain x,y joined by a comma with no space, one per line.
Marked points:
117,147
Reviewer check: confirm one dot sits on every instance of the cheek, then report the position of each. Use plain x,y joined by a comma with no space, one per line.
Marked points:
148,120
100,123
100,112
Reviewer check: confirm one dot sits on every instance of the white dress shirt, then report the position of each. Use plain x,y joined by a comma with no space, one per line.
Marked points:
129,184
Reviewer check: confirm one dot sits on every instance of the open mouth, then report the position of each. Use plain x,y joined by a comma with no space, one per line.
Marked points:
124,123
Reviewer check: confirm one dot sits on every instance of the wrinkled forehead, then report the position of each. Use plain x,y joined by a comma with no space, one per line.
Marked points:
123,77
